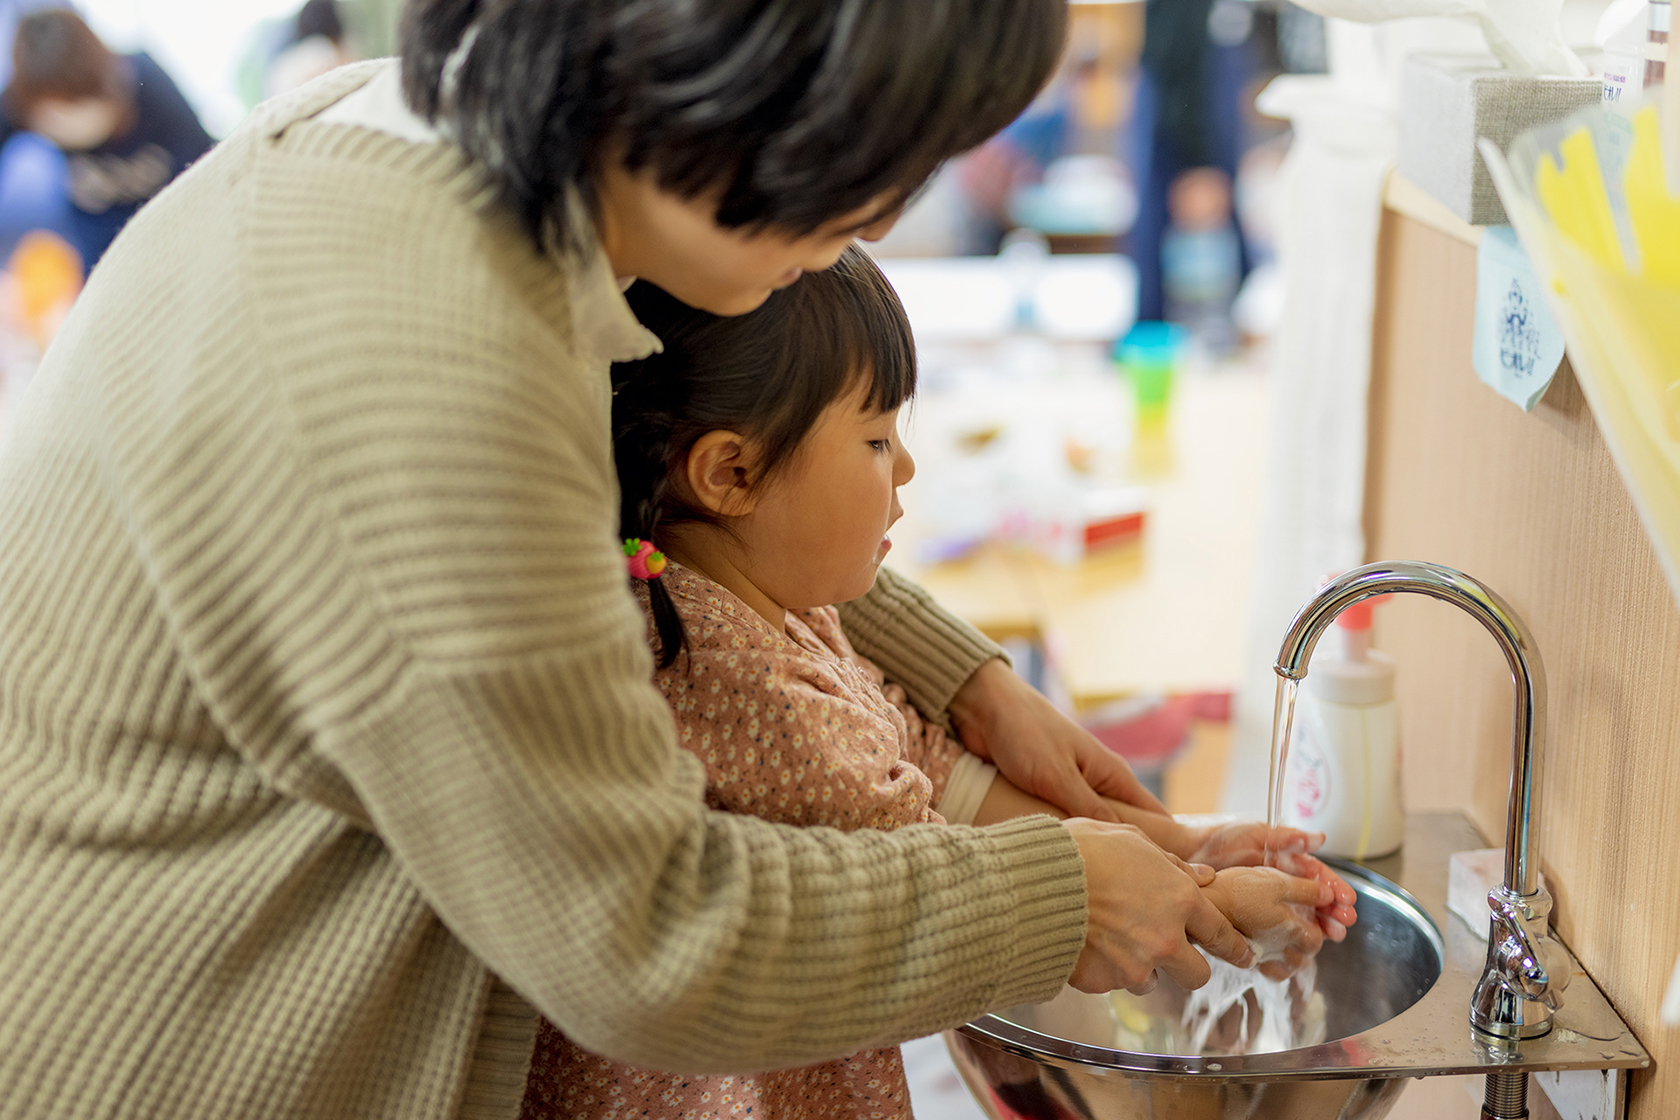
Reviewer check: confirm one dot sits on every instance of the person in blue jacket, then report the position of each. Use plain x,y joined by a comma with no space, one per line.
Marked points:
123,126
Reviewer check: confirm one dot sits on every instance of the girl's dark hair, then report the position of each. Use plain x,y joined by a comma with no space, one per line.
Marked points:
795,112
767,376
56,55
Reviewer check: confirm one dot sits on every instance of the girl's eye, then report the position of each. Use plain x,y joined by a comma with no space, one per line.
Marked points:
881,444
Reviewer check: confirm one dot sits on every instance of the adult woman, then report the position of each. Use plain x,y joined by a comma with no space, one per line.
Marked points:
328,734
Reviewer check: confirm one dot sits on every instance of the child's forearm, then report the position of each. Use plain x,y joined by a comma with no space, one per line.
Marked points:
1005,800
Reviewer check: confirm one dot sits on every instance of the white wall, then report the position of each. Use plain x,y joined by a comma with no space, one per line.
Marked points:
199,42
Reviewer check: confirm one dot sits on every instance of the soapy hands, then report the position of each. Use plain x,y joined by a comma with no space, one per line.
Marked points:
1276,911
1240,843
1178,885
1243,844
1149,910
1143,883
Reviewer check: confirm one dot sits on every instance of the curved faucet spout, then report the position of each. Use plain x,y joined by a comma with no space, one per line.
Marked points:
1528,675
1519,992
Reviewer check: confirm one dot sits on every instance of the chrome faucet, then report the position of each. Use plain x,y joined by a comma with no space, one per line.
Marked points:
1522,985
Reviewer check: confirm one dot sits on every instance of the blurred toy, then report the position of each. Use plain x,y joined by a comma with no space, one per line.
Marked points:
1150,355
47,277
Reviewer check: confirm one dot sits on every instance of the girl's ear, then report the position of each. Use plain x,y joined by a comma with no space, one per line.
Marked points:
717,474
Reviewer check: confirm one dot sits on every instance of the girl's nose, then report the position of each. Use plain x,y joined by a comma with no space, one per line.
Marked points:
904,466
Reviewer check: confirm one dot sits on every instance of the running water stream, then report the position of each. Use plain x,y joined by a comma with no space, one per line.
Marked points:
1241,1011
1283,723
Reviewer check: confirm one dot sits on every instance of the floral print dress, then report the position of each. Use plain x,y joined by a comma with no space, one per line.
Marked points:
793,728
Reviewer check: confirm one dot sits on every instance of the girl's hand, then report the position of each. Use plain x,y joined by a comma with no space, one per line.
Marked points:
1339,914
1243,844
1275,911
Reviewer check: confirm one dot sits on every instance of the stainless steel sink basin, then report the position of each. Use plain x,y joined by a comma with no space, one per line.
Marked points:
1395,1000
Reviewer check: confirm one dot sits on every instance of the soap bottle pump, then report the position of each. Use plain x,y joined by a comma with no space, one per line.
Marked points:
1343,777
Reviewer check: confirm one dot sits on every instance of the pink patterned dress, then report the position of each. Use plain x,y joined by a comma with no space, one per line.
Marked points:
797,729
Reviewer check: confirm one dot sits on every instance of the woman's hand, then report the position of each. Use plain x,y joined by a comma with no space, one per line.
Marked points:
1147,911
1006,721
1276,911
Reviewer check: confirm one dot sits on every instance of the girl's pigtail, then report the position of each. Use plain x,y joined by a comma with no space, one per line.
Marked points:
644,512
673,637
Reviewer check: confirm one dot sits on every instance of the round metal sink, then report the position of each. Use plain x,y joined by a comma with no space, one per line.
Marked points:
1059,1061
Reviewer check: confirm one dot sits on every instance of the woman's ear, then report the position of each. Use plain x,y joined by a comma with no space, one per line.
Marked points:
717,474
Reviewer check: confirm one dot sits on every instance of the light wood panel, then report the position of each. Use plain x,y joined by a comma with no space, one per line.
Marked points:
1533,506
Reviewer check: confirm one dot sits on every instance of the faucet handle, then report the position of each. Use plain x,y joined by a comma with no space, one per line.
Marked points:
1525,966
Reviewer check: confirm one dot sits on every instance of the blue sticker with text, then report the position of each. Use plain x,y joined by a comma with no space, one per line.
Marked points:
1517,346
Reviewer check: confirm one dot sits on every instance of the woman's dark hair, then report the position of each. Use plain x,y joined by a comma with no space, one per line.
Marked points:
795,112
56,55
766,376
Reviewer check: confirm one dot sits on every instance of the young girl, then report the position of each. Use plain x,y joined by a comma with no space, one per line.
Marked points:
760,456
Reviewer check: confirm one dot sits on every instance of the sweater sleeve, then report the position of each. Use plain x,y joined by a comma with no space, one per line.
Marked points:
916,642
373,486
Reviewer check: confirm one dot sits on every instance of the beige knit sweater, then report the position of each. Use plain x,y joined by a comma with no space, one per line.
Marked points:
324,704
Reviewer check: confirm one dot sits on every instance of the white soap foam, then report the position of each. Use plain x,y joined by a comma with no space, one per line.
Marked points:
1270,944
1238,1011
1274,1014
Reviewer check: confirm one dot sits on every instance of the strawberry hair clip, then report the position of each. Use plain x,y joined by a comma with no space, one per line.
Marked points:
643,560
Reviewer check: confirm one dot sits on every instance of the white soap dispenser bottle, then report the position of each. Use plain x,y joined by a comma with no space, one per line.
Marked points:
1343,777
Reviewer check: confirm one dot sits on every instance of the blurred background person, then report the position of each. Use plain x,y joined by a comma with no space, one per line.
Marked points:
994,173
123,126
31,170
319,43
1202,257
1189,114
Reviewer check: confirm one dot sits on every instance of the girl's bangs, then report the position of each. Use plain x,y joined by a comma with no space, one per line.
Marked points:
872,330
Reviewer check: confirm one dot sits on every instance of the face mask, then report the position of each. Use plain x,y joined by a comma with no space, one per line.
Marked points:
75,126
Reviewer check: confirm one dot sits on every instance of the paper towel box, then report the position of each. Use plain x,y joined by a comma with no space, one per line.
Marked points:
1448,101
